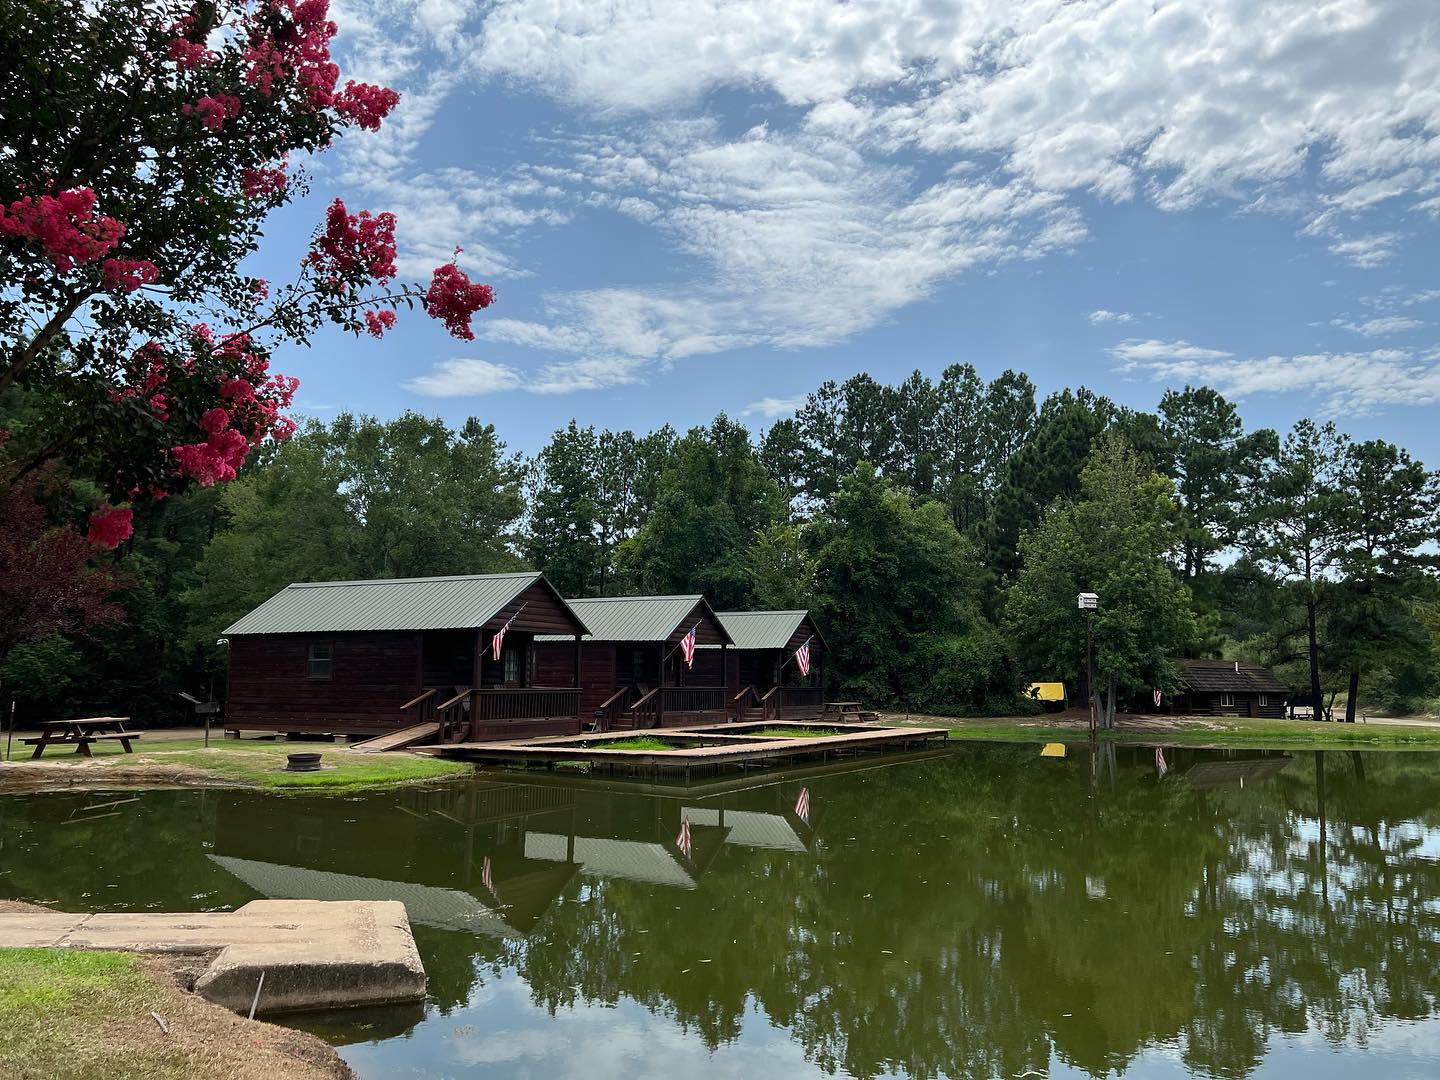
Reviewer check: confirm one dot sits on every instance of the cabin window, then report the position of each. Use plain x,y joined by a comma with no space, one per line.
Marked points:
1264,700
512,666
1227,701
320,661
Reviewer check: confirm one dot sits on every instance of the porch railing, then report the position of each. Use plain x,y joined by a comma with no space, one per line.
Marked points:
676,699
779,700
524,703
611,711
420,709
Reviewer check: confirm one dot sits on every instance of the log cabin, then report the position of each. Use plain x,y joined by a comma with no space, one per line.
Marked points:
367,658
761,675
632,673
1228,688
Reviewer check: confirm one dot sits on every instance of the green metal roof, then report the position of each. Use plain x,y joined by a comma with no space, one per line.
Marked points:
438,603
632,618
761,629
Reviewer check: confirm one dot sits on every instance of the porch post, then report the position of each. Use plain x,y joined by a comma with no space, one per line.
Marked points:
660,708
724,680
576,684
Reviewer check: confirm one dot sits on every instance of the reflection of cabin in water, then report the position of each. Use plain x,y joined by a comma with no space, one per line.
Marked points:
369,657
632,673
1229,688
760,673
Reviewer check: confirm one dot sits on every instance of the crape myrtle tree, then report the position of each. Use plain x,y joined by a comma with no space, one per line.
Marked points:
145,142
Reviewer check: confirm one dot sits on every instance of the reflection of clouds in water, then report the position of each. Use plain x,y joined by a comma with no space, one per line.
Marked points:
503,1033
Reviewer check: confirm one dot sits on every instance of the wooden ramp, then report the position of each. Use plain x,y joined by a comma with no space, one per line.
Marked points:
400,738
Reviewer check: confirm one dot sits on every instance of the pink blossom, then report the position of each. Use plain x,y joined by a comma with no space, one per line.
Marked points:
214,111
189,54
127,275
66,226
367,105
454,298
352,242
263,182
111,524
377,322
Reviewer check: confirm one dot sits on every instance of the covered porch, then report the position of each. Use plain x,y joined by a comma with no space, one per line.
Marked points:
763,673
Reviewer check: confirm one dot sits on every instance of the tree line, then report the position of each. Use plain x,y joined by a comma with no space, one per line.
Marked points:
940,529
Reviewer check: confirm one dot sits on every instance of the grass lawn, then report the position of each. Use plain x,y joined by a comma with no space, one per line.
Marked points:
633,742
1239,732
794,732
55,1004
261,763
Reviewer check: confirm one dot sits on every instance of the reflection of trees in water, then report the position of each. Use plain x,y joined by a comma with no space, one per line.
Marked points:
982,916
971,916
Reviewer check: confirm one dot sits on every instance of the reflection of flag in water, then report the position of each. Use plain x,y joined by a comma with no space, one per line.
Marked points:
485,877
802,805
683,840
1160,766
687,646
802,658
1156,695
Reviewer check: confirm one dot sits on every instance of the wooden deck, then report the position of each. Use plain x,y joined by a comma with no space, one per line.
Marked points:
697,748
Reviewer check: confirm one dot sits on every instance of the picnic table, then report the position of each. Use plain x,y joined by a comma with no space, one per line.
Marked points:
844,707
81,733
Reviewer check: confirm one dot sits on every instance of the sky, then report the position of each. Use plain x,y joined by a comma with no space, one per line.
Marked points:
690,206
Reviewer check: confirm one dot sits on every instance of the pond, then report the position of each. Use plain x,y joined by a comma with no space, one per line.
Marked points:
975,912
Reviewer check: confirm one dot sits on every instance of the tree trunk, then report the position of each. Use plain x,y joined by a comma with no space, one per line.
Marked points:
1354,693
1313,644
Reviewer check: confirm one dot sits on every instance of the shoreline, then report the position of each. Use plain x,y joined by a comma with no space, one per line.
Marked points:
126,992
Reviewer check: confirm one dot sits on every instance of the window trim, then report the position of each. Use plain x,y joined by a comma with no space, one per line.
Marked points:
1264,701
1227,701
328,660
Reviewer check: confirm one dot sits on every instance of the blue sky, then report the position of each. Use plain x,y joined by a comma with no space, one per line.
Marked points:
691,206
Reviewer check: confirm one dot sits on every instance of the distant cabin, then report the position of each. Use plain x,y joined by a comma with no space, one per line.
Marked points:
632,667
761,672
1229,688
370,657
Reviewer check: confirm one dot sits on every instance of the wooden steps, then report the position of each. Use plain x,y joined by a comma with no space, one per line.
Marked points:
400,738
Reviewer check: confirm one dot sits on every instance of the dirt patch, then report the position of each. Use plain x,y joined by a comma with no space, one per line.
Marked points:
18,776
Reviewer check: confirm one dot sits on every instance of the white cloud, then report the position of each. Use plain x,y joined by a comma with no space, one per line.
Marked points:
771,407
1378,327
1136,352
1367,251
918,143
465,378
1344,382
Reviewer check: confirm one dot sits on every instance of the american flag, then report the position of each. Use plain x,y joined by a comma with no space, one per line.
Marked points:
485,878
687,646
683,840
1160,766
802,805
1156,694
498,640
802,658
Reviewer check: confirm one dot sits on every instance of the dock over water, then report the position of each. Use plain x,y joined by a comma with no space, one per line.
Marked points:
699,748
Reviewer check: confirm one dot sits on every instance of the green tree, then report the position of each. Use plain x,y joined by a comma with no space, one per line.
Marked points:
1214,464
1045,468
1299,533
709,504
1391,509
1115,540
898,589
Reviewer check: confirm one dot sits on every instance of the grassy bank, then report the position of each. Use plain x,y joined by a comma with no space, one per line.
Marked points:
1238,732
247,762
82,1015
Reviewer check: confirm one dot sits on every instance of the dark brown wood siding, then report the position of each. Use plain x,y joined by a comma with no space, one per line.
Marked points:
555,666
372,675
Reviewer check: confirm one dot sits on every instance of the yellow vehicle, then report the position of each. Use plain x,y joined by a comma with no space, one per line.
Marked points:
1049,694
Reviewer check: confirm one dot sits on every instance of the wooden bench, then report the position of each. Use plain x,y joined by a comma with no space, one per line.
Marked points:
81,733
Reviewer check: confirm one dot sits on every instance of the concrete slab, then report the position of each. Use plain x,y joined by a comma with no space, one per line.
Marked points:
314,954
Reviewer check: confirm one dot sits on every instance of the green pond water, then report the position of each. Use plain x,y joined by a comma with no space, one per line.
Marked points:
978,912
